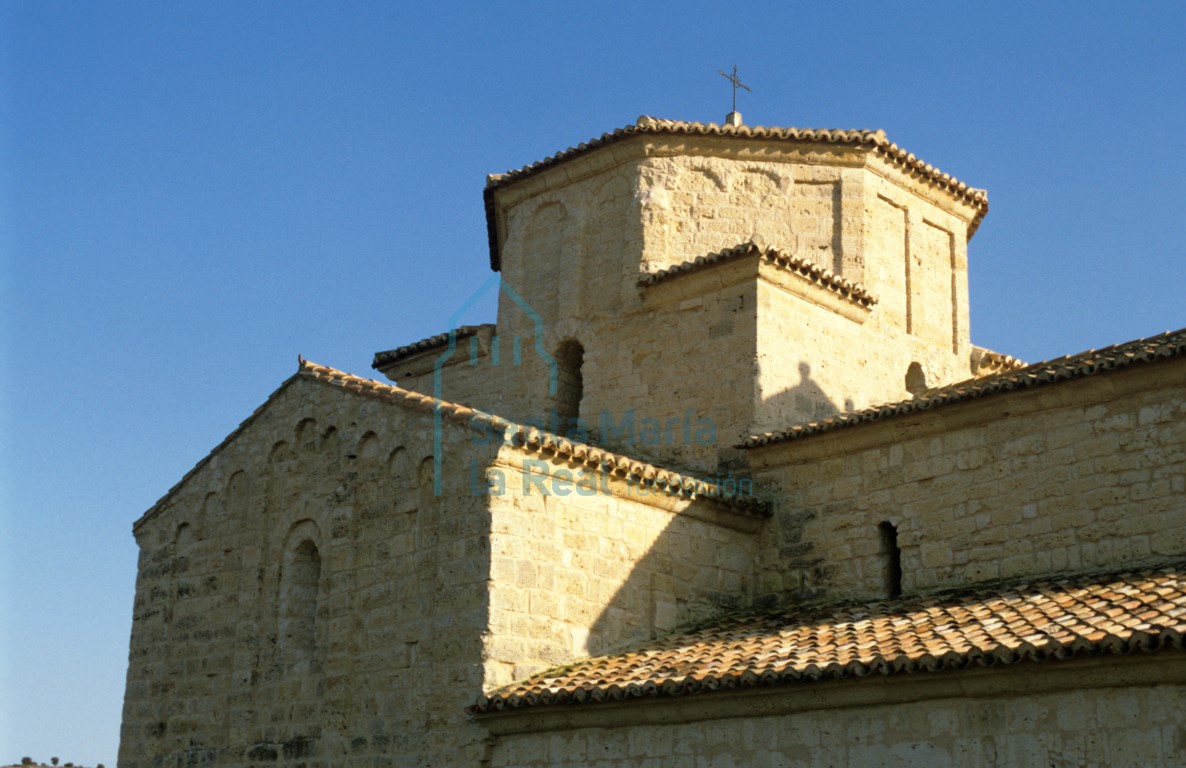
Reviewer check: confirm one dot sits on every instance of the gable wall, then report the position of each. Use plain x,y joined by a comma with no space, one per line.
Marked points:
216,676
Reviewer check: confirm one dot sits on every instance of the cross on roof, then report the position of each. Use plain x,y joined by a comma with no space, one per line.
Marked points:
736,84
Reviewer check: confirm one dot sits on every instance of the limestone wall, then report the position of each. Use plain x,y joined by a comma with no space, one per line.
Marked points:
735,348
480,372
814,362
917,264
677,379
305,598
571,248
1096,727
709,357
671,379
697,204
582,564
1082,475
575,238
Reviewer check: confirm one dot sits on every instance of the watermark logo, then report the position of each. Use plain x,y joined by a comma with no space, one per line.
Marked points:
496,281
541,478
628,429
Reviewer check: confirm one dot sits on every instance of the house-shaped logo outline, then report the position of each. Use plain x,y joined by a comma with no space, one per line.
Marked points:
451,349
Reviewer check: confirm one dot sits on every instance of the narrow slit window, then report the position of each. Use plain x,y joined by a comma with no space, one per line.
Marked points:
892,556
570,385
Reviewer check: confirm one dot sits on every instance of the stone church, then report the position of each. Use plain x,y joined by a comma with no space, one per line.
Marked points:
725,484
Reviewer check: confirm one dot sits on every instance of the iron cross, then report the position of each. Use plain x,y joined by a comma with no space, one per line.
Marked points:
736,84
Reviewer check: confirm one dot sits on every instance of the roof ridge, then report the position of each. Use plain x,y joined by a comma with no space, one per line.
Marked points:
678,483
822,276
999,360
652,125
908,162
158,505
1163,346
1005,625
395,355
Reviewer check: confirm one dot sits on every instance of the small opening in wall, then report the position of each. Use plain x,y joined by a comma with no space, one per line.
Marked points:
916,380
892,555
570,385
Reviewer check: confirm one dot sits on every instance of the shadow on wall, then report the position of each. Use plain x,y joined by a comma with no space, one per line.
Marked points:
805,402
706,560
692,570
707,563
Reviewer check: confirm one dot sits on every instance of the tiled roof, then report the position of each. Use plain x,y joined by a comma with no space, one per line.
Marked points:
1036,622
643,474
1155,348
539,441
988,362
905,161
383,359
824,278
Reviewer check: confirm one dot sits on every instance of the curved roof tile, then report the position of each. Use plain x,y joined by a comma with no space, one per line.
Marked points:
383,359
540,441
1167,345
674,483
854,292
1032,622
908,162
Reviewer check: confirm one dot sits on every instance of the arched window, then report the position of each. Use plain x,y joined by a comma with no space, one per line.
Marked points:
570,385
300,580
180,582
892,558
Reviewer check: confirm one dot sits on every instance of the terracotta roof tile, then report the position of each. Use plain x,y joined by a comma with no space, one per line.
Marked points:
1036,622
532,439
854,292
383,359
1153,349
673,483
985,362
876,140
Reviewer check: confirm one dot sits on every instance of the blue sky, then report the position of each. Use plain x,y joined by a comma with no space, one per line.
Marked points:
193,194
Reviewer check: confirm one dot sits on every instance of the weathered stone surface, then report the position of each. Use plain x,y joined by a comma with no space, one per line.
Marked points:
978,733
1022,484
340,579
732,346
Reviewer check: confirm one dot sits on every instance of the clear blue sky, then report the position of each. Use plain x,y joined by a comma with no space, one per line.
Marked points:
191,194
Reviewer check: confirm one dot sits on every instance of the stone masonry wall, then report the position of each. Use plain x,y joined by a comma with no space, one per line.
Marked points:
1108,727
679,381
477,372
582,564
306,599
682,390
1082,475
861,364
577,239
696,205
917,259
814,362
